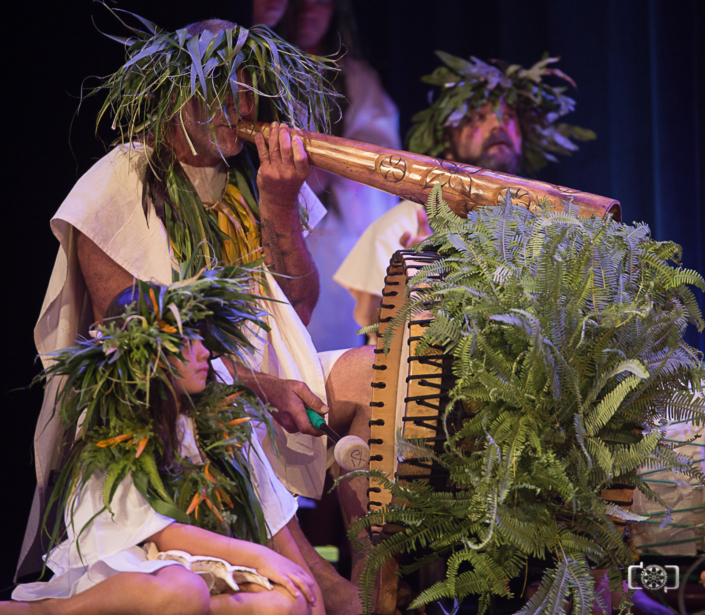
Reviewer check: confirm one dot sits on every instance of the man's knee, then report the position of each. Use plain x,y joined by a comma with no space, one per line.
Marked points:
351,376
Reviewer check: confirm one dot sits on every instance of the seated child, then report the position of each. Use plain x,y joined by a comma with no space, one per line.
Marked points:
154,464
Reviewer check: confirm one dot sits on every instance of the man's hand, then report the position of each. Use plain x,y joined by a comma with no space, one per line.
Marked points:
283,168
407,241
289,397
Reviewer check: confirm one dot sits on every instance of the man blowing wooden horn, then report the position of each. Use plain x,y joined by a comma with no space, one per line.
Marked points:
180,192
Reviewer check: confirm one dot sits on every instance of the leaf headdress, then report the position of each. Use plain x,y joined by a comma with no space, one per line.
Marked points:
467,85
147,95
112,379
164,70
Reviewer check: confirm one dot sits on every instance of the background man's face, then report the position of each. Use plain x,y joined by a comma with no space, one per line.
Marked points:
487,142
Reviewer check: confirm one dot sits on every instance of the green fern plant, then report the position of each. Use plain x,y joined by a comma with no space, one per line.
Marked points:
567,338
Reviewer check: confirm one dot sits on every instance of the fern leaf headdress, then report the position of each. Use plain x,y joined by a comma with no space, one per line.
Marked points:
164,70
112,379
468,85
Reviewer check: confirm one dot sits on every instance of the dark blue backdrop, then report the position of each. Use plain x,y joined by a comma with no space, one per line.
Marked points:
639,64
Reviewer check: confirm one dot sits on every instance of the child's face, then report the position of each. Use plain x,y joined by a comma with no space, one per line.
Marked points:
193,371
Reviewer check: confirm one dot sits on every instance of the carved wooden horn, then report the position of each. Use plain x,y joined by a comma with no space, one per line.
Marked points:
412,176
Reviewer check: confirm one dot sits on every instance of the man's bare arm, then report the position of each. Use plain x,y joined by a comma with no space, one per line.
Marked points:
283,168
287,254
104,277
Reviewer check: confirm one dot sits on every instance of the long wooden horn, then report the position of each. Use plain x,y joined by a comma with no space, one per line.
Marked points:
412,176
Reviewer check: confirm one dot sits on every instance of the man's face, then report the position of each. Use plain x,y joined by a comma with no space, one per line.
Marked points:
486,141
212,138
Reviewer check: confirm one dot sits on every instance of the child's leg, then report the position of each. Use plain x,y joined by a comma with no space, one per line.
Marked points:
256,600
172,590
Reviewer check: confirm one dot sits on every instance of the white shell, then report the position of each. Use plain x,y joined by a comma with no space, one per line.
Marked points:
219,575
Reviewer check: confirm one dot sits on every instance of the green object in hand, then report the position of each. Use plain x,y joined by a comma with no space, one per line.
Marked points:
320,423
316,419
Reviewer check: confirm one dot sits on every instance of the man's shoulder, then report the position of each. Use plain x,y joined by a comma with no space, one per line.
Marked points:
121,162
108,195
116,177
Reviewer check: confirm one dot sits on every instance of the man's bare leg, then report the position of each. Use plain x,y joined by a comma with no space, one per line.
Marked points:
349,394
340,596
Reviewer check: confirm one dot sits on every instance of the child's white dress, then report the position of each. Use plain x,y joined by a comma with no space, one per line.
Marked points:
108,545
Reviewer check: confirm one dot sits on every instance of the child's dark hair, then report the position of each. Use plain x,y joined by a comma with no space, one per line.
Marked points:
163,404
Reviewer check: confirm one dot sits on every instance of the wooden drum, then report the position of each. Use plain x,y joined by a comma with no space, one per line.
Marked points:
409,392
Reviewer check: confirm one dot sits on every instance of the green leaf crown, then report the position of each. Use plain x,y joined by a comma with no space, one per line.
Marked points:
164,70
467,85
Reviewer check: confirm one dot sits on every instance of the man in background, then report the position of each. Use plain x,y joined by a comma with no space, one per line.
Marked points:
493,115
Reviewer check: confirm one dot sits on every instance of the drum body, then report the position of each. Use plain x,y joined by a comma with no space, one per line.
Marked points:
409,391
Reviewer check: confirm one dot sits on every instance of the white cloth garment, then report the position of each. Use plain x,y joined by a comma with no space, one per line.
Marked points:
363,270
109,544
106,206
680,493
371,117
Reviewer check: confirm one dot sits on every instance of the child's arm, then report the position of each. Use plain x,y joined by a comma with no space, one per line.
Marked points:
275,567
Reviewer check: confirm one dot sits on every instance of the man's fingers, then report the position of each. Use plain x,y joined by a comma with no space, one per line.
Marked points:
405,239
303,423
262,150
311,400
285,148
301,163
274,153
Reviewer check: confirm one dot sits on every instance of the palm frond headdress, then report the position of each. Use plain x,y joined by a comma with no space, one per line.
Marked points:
467,85
115,378
164,70
213,62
